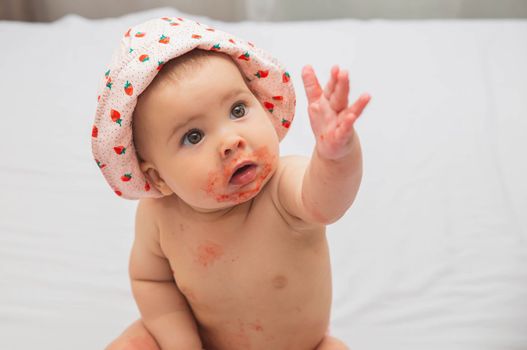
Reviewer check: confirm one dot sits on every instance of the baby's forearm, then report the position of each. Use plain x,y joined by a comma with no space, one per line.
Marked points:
330,186
166,315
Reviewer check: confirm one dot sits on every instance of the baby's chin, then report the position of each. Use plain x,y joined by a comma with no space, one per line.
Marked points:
225,197
211,208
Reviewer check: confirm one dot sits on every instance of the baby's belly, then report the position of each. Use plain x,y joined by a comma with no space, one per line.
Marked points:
265,296
292,321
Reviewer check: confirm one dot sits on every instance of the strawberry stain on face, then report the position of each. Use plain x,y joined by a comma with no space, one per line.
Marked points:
208,253
218,181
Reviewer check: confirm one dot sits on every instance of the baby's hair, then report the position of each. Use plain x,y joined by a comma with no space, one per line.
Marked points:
176,68
172,72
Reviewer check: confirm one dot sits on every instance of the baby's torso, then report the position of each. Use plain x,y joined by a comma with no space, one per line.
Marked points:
252,281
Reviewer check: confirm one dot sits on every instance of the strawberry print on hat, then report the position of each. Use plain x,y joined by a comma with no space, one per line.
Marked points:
143,51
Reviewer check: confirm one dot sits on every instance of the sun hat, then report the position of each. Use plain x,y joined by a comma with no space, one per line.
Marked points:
143,51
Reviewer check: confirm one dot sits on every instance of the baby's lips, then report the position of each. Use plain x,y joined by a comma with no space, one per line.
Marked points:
239,166
245,176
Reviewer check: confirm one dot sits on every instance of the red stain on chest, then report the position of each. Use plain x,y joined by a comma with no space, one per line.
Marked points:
208,253
218,180
256,326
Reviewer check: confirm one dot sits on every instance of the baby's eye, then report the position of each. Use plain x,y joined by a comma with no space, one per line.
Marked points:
193,136
239,110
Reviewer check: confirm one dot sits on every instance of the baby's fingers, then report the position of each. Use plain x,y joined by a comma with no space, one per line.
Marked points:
311,84
356,109
339,98
330,87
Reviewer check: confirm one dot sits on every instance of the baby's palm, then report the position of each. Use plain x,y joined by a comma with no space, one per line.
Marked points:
331,118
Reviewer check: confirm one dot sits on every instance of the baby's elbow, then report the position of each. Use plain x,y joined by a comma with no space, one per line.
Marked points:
316,216
333,219
328,217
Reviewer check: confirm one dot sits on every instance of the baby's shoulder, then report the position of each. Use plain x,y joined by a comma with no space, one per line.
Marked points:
288,165
154,209
150,213
292,161
147,208
285,188
151,221
147,214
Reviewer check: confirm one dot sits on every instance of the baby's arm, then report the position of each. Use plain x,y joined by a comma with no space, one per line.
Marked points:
163,308
332,176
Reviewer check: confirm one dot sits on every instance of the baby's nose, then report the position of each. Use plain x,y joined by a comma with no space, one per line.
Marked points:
232,145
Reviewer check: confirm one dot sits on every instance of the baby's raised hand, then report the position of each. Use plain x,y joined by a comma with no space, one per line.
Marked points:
330,116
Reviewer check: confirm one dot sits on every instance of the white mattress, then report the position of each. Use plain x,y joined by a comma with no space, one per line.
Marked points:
432,254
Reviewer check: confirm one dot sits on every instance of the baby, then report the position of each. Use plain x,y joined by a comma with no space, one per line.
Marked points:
230,251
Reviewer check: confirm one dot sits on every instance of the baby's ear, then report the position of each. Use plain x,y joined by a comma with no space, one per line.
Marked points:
152,175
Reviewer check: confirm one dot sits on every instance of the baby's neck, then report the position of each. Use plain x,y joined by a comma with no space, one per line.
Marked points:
211,215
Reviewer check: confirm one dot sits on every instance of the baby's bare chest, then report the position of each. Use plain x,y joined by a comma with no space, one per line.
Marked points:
239,260
247,272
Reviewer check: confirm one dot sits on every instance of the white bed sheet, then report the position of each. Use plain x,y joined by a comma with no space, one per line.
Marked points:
433,253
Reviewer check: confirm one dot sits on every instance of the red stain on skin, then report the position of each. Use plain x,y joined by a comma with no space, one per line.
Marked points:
219,180
269,338
256,326
240,341
208,253
233,337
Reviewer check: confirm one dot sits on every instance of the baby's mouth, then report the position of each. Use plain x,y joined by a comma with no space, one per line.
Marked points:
243,174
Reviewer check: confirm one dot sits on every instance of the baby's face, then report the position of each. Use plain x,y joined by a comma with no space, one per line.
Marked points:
204,126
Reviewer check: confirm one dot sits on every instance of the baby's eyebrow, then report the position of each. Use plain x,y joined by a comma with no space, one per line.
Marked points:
180,124
232,93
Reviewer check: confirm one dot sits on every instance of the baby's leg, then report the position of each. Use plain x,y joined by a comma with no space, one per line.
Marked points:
135,337
331,343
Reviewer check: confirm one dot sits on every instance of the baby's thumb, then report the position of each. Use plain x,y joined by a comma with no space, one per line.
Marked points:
311,85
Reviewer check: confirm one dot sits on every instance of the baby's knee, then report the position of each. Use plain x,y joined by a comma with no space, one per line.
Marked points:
133,343
135,337
331,343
